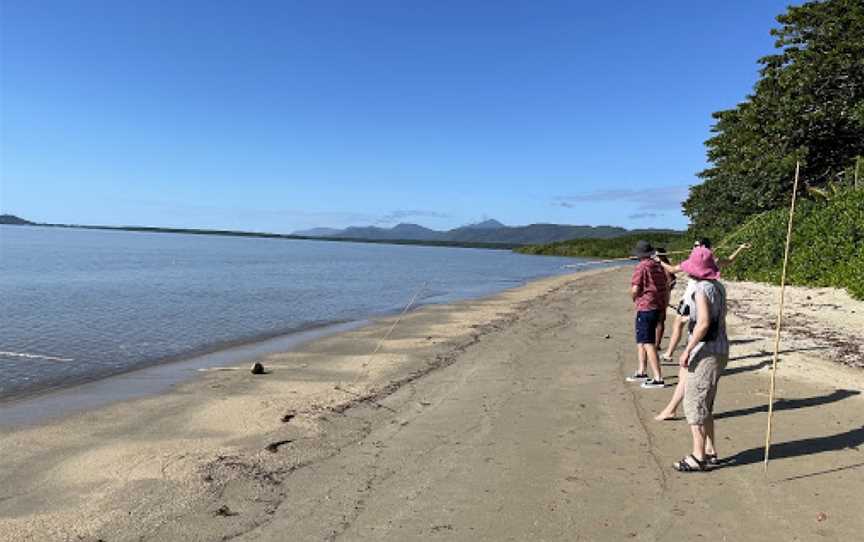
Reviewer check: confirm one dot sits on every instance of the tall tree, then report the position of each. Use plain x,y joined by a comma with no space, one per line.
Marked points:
808,105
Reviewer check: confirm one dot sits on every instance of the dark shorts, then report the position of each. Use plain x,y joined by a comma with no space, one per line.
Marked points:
646,326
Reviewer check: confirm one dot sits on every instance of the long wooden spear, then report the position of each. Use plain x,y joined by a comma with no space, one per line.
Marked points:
780,318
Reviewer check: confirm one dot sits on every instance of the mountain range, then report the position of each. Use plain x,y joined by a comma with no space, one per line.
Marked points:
488,231
486,234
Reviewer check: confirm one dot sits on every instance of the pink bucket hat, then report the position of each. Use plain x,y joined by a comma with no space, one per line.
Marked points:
701,264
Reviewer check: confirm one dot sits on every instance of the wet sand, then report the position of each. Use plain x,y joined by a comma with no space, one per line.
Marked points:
498,419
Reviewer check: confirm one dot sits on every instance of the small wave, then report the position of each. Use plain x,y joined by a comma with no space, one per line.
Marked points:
33,356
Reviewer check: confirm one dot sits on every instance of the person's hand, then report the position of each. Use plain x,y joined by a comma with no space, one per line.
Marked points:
684,359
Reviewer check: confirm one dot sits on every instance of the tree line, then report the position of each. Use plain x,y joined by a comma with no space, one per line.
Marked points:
807,106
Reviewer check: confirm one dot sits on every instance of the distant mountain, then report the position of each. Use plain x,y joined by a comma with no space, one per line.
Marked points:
414,232
485,234
490,224
533,233
402,232
488,231
318,232
17,221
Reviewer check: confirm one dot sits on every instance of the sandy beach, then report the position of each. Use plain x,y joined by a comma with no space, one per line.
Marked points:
505,418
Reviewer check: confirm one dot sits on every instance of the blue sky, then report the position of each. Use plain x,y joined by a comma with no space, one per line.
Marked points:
276,116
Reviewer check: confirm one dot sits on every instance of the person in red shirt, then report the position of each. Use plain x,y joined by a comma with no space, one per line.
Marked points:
649,290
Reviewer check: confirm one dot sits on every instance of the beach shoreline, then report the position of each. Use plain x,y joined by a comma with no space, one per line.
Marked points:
157,375
329,434
54,403
81,306
308,392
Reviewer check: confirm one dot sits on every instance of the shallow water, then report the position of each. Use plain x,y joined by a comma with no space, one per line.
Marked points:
76,305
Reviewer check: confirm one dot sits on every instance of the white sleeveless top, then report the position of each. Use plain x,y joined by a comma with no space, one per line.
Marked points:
716,294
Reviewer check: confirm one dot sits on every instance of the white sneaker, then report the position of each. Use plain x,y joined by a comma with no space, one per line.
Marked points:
651,384
637,378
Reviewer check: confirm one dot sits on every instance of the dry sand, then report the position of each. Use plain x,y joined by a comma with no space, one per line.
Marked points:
824,322
499,419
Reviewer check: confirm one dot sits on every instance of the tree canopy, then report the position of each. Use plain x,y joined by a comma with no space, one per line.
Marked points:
808,105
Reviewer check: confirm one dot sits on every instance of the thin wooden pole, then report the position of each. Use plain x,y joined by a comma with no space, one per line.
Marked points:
780,318
857,163
628,258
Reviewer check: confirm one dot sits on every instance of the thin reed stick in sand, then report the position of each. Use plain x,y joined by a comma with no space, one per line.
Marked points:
780,318
857,163
371,355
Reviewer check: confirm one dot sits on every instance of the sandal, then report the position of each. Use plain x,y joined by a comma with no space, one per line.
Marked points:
712,460
685,466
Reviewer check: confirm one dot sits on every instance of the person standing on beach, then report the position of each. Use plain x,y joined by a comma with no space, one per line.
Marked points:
704,358
648,289
681,321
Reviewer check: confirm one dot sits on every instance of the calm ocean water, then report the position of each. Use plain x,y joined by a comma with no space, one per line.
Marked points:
76,305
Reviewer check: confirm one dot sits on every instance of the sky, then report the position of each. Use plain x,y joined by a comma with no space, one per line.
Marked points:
285,115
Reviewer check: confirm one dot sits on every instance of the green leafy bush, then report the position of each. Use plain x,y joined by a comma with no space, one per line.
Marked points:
807,106
852,275
617,247
827,245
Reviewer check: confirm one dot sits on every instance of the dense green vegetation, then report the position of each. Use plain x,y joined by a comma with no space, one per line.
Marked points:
808,105
827,244
604,248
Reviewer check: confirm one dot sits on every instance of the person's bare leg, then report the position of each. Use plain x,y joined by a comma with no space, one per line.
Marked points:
653,360
659,331
698,432
709,436
641,353
677,396
677,333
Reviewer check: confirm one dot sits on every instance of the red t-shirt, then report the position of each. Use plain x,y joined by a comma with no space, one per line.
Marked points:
651,285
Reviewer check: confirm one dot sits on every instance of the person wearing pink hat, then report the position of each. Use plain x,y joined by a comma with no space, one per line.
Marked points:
704,357
669,412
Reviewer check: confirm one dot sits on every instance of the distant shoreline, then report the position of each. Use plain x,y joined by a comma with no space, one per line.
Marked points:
531,238
265,235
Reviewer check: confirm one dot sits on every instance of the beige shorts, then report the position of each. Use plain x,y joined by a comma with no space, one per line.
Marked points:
703,375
